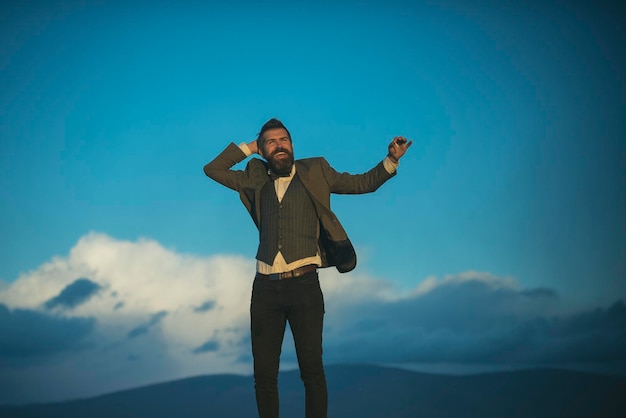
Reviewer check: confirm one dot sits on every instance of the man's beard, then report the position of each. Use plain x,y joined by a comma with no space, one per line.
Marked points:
281,166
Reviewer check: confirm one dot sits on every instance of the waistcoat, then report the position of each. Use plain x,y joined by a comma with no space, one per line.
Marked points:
289,226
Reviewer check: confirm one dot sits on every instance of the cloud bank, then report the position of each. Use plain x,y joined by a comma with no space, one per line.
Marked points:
116,314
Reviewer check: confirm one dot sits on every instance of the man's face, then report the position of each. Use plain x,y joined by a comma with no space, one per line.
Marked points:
278,150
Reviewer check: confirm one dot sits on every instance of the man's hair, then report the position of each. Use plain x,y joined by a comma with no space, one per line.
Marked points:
270,124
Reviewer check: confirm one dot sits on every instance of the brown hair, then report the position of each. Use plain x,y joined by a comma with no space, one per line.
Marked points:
270,124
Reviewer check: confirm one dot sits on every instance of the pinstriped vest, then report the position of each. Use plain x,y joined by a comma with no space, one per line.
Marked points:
289,226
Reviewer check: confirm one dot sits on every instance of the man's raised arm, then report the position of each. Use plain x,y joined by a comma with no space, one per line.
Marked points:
219,169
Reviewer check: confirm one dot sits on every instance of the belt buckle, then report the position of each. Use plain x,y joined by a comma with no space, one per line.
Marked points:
274,276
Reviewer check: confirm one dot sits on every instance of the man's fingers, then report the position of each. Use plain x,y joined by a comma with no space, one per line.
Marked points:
399,145
400,141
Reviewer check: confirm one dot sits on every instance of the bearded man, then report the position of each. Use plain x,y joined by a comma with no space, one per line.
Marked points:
289,202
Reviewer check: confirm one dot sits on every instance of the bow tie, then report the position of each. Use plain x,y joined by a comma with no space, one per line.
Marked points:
275,176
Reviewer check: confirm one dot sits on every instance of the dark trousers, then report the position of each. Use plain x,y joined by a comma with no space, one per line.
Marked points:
300,302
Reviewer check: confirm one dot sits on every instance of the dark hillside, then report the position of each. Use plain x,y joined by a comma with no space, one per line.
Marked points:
365,392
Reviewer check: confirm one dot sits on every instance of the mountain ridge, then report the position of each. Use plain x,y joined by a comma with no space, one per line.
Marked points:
362,391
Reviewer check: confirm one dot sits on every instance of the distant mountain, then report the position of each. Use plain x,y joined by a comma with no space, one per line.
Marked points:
362,392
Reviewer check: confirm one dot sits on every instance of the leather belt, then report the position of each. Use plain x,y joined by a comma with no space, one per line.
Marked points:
288,274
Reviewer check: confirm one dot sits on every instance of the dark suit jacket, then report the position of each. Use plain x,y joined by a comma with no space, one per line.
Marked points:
318,178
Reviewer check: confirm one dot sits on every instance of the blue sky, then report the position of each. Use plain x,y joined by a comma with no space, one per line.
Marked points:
515,180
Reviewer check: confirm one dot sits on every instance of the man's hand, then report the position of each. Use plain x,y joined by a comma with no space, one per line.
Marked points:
254,148
397,148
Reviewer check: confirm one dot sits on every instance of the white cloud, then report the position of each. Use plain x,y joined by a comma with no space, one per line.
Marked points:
138,280
144,313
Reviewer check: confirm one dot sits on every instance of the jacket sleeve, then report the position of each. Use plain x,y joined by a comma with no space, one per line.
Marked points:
219,169
346,183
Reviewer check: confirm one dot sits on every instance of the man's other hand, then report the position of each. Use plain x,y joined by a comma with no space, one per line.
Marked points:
397,148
